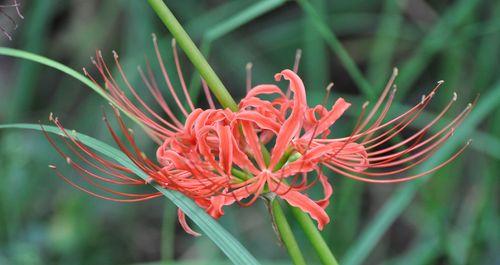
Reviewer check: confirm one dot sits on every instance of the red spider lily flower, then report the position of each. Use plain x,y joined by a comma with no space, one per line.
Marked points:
11,20
218,157
99,172
303,131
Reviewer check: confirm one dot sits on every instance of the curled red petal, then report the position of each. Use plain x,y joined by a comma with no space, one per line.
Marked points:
291,127
327,190
302,202
330,118
184,224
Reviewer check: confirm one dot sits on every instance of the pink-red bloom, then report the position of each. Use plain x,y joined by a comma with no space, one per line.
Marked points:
275,145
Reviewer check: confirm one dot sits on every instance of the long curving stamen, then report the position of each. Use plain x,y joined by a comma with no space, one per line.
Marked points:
155,91
121,178
167,78
128,135
124,149
381,98
364,179
125,180
430,149
181,76
411,111
134,93
385,159
411,158
146,197
16,5
248,83
208,94
121,100
422,130
355,130
84,173
91,154
296,62
377,161
85,177
394,130
6,33
384,112
426,153
379,120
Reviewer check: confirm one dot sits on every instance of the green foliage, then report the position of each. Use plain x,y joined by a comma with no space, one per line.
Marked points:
449,218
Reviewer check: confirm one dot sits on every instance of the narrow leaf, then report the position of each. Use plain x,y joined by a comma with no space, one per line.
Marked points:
222,238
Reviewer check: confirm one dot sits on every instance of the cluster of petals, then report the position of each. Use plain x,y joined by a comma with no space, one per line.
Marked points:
274,145
217,142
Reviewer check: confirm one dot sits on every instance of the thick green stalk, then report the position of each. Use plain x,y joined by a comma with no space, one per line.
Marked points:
194,55
325,255
286,233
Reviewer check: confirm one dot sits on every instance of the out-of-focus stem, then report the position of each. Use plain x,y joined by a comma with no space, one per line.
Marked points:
286,234
325,255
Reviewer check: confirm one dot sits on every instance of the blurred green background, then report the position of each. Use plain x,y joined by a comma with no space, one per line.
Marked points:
450,218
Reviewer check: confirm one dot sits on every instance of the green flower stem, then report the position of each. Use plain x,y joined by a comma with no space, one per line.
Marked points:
307,225
286,233
265,154
194,55
325,255
283,160
240,174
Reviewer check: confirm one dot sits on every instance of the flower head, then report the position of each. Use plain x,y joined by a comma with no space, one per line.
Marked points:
274,145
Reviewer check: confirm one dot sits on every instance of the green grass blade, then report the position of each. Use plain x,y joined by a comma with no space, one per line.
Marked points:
404,195
332,40
168,227
51,63
33,39
241,18
65,69
223,239
438,38
385,43
488,48
421,254
211,17
314,63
